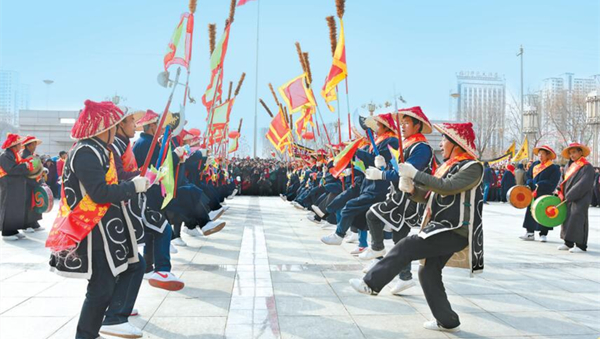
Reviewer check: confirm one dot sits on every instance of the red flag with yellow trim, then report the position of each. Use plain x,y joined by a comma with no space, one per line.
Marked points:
279,132
305,120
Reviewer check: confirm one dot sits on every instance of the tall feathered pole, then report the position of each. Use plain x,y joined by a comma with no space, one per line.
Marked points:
332,33
212,37
305,62
239,85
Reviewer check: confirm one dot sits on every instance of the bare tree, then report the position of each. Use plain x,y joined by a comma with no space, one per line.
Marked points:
565,112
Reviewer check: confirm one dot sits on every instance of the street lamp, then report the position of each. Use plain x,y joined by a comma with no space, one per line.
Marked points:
593,119
48,83
530,125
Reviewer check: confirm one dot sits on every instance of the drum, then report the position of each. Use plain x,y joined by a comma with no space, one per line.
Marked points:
548,211
519,196
38,167
43,199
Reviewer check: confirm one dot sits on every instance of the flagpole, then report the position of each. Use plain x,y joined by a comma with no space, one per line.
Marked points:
339,117
256,80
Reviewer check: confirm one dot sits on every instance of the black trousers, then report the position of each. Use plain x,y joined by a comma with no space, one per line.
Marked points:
437,250
108,295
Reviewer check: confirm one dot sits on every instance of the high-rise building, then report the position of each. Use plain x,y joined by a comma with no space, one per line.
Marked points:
481,100
13,96
561,108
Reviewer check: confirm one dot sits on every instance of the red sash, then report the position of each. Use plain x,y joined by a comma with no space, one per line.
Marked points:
413,139
381,138
575,167
72,226
540,167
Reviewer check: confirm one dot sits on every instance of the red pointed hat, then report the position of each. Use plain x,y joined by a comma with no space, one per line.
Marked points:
461,133
547,148
417,113
150,117
96,118
185,135
386,119
29,139
12,140
582,147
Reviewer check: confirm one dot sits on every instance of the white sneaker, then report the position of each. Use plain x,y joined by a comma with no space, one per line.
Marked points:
172,249
28,230
402,285
543,238
20,236
178,242
134,312
226,208
370,254
528,237
195,232
166,280
360,286
312,218
10,237
563,247
214,215
576,249
148,275
367,268
352,238
298,206
213,227
39,229
318,211
283,197
124,330
332,239
433,325
358,250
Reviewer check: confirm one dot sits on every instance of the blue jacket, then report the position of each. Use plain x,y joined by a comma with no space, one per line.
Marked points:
377,187
419,158
546,181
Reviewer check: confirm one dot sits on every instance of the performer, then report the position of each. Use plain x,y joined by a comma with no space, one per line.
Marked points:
577,190
30,144
545,176
90,237
158,231
508,181
398,212
13,182
451,232
371,191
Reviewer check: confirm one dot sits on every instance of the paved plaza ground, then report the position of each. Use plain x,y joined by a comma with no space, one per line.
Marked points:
267,275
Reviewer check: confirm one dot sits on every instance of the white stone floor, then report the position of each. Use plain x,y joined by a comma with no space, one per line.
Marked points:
266,275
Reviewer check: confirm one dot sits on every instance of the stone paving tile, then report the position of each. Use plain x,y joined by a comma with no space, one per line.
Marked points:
267,275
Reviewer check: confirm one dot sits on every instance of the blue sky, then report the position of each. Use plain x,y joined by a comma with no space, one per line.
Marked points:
96,49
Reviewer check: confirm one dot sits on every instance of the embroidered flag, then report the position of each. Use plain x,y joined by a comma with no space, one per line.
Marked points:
304,120
279,132
216,70
168,179
341,161
523,152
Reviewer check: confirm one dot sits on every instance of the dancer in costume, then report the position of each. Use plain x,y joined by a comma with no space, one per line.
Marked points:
91,238
545,176
451,232
577,191
398,212
13,181
29,146
371,191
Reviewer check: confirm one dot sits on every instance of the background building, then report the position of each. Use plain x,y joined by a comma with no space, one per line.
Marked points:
481,100
14,96
52,127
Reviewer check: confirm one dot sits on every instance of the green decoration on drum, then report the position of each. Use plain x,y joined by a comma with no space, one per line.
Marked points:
548,211
43,199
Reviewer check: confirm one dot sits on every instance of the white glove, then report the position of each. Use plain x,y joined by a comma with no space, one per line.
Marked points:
373,173
406,185
142,184
379,161
179,151
407,170
347,172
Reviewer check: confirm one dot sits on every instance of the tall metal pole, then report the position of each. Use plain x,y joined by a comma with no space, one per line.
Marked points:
256,83
521,55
